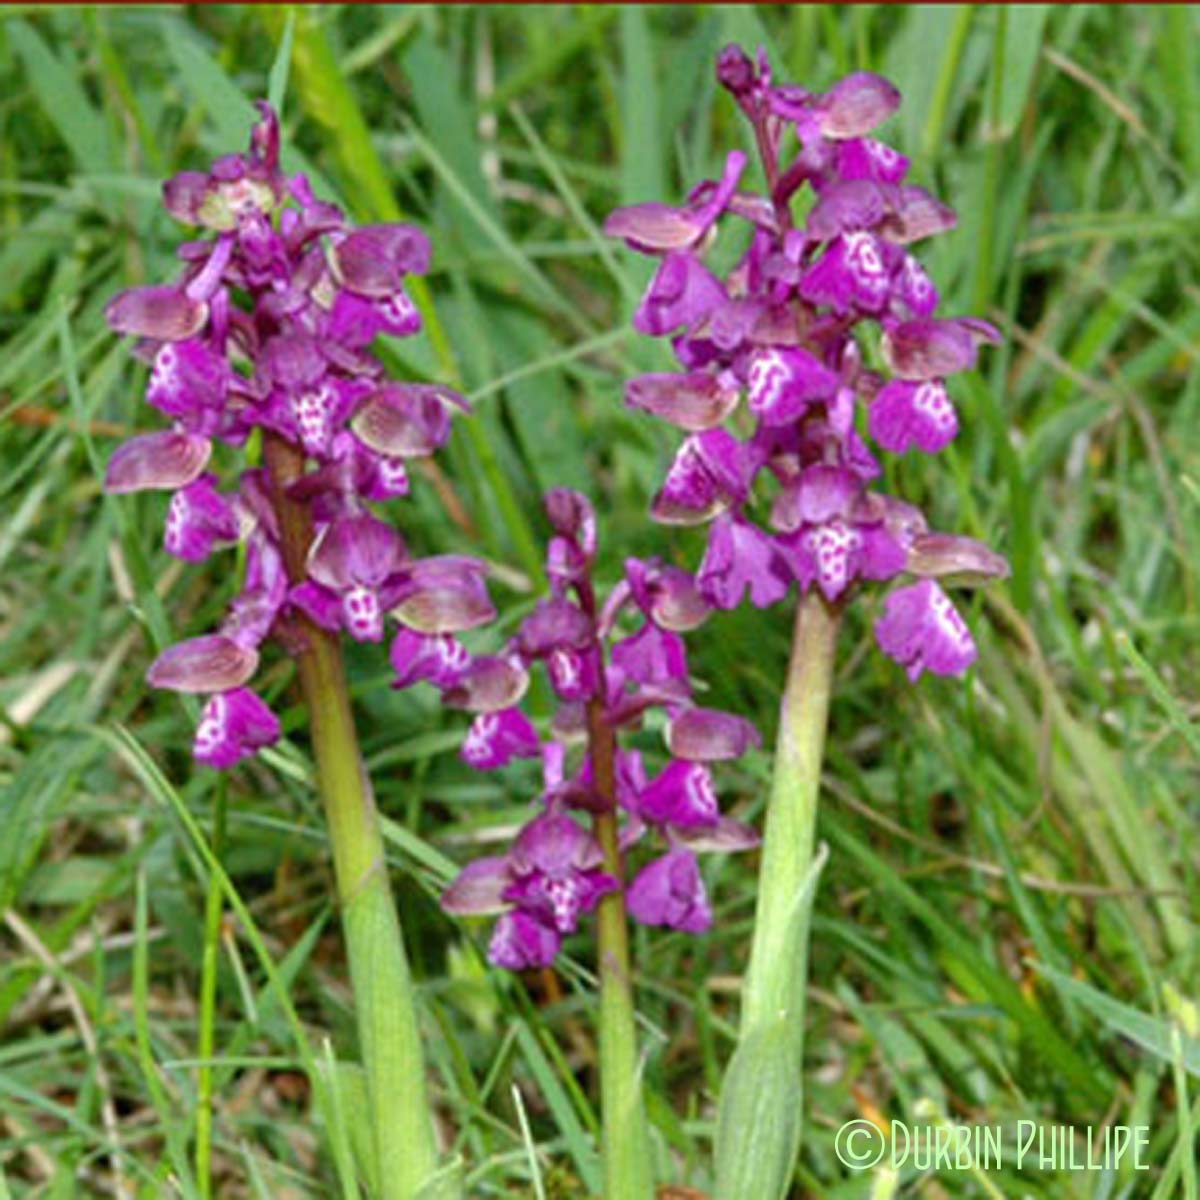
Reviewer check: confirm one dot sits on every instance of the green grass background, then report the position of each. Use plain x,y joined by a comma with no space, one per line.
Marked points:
1007,925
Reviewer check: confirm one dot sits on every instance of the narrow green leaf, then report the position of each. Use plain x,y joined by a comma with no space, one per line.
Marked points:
578,1143
277,80
63,99
1184,725
642,157
447,120
1023,35
1159,1037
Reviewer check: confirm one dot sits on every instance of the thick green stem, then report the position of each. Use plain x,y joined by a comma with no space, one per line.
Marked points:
759,1123
787,850
384,999
627,1174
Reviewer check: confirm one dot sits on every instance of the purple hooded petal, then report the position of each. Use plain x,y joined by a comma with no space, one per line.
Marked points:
668,595
921,630
198,517
356,551
162,312
693,402
478,889
213,663
233,726
554,862
184,194
845,207
521,942
708,735
727,836
961,559
495,739
914,214
655,228
927,349
711,471
741,556
158,461
293,361
444,594
552,624
856,104
406,420
819,494
374,259
682,795
669,891
488,685
906,414
187,379
439,659
555,844
651,655
682,292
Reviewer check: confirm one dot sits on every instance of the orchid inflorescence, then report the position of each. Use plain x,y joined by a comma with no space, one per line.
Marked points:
268,330
783,328
605,682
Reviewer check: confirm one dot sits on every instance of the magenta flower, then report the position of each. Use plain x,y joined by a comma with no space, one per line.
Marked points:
789,329
606,677
269,328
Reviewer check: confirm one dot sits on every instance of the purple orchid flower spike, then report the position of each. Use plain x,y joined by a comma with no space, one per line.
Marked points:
269,327
832,331
787,328
609,664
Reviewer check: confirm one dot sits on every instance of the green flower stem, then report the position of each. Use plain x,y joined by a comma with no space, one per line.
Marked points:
213,906
627,1174
383,992
760,1120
